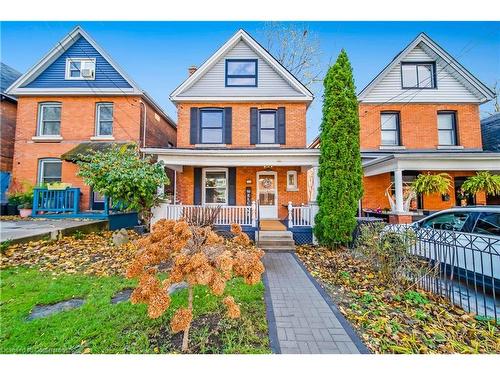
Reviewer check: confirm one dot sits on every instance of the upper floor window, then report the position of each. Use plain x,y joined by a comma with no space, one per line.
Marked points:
104,119
418,75
49,119
79,68
389,126
211,122
267,126
49,170
447,128
241,73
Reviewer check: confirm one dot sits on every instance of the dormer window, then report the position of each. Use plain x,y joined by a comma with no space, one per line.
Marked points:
241,73
82,69
418,75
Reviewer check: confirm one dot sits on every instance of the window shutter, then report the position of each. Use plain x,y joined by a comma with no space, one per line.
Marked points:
254,113
228,123
197,186
195,126
231,193
281,126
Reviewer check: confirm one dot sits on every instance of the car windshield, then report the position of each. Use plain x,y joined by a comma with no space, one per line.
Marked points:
448,221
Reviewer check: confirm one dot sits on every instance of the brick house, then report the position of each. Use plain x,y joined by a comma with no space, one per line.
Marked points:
8,110
241,141
421,114
74,100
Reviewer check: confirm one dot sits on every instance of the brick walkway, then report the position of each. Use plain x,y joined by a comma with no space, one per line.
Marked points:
302,318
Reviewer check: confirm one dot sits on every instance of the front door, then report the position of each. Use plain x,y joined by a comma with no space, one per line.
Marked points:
267,193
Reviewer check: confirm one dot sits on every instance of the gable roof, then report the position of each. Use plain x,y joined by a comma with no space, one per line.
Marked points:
479,89
490,131
7,76
19,87
242,35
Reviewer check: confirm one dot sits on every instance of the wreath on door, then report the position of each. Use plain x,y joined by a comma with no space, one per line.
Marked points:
267,183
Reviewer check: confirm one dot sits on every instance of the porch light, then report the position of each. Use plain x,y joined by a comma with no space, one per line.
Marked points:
249,182
268,166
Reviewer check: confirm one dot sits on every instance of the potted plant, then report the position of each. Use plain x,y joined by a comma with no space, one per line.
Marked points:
25,209
23,201
482,181
427,183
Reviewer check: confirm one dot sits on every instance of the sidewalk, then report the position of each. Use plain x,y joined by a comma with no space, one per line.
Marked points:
302,319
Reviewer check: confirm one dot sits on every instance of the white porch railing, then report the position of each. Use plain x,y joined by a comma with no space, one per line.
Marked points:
242,215
301,216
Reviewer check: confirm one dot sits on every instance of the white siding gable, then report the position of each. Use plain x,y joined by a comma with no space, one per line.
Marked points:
451,85
270,82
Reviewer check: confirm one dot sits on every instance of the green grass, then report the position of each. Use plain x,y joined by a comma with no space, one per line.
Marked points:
101,327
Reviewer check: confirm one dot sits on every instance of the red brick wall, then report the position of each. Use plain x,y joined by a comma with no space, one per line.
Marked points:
185,186
8,129
77,125
418,124
295,122
158,131
374,193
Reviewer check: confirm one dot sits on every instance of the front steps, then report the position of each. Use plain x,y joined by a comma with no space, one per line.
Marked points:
275,241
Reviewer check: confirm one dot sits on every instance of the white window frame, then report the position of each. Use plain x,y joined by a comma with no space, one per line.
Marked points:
98,119
41,163
203,186
82,61
295,186
40,119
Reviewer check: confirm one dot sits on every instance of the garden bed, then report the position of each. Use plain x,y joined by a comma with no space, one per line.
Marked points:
396,317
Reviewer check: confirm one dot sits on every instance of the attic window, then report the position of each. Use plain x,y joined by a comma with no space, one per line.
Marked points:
418,75
83,69
241,73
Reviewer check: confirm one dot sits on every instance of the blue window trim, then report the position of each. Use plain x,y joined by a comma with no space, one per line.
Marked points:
416,63
255,61
221,110
275,113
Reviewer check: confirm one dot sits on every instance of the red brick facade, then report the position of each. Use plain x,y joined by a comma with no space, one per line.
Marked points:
8,109
77,126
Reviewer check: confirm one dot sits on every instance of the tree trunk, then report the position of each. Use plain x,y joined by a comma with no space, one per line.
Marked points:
185,338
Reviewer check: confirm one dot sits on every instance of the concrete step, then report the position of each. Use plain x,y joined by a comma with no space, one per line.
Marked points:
274,242
275,249
273,234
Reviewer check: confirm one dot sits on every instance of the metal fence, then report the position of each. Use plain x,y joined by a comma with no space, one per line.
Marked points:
463,267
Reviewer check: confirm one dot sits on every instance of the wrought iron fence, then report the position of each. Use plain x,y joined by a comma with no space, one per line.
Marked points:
463,267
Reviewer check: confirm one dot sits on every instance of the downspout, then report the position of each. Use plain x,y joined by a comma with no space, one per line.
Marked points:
144,125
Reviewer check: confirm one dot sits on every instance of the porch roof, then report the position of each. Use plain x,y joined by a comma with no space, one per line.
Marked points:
442,161
176,158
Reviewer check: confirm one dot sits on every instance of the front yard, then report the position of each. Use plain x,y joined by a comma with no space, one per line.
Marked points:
90,268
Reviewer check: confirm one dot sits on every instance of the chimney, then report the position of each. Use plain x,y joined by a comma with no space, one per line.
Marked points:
192,69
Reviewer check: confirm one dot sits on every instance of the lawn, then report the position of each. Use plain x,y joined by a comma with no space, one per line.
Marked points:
98,326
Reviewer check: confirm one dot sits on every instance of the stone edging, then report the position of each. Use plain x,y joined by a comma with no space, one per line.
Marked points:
271,320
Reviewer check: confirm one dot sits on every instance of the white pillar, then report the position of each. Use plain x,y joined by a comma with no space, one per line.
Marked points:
315,183
290,218
398,187
254,214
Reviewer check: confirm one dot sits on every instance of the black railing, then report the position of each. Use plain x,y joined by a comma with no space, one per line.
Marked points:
463,267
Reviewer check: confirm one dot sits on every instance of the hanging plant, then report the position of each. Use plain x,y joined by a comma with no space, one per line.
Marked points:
427,183
482,181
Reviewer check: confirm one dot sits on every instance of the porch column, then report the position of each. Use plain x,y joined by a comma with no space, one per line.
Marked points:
315,184
398,187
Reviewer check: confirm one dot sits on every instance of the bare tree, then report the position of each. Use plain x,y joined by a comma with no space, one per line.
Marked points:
496,90
297,49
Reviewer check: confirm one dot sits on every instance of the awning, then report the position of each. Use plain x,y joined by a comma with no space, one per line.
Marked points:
87,148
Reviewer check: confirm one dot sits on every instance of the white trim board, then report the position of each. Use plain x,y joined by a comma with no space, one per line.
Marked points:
259,50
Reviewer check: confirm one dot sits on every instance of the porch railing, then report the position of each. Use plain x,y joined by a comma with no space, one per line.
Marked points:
242,215
55,201
301,216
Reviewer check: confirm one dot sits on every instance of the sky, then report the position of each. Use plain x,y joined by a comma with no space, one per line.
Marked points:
157,54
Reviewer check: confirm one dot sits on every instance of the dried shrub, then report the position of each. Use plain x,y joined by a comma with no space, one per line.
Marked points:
198,256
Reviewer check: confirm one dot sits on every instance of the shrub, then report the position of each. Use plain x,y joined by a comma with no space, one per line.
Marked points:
482,181
199,257
427,183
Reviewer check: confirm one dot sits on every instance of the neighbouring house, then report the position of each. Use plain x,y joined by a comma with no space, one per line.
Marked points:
241,141
8,110
490,131
421,114
74,100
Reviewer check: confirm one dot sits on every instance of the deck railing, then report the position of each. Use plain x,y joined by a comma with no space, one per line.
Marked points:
227,215
301,216
55,201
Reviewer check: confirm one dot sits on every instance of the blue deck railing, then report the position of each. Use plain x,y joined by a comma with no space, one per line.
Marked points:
56,201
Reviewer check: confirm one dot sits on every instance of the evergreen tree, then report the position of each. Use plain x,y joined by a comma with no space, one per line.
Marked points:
340,171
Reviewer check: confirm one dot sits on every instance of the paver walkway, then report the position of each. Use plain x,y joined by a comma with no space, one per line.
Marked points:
302,318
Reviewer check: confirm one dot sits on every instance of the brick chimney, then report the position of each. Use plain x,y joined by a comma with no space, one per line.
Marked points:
192,69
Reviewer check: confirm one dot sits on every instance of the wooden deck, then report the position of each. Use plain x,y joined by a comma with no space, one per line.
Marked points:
272,225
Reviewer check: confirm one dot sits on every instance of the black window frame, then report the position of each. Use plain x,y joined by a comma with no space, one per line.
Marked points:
255,76
213,110
454,126
267,111
416,64
398,127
